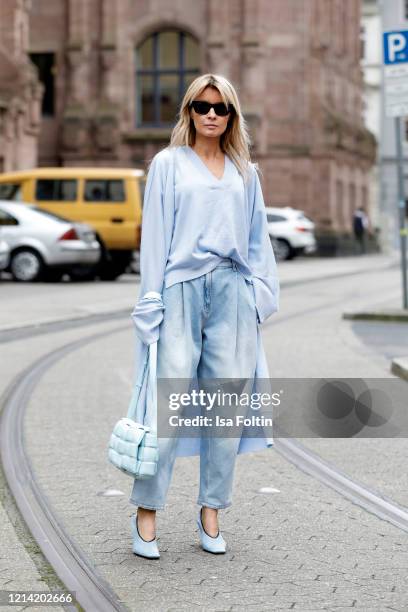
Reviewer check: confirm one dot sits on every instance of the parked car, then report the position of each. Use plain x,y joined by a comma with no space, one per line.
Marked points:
44,245
4,253
291,232
110,200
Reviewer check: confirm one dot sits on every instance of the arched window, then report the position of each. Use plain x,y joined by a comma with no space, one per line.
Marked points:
166,63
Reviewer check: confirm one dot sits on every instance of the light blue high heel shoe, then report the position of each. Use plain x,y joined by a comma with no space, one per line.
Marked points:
141,547
214,544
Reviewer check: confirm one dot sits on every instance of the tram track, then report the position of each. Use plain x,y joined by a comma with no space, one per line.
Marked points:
68,560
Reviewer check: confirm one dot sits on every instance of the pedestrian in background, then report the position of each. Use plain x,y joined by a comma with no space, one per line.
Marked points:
208,279
360,228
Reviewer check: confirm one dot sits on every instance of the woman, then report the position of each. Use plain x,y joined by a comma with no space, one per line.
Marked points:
208,278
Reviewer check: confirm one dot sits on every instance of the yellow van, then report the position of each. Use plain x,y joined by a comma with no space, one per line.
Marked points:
109,199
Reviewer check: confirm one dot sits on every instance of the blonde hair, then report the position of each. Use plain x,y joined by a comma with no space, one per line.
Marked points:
235,141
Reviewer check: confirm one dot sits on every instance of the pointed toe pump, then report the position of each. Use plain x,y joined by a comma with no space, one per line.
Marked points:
214,544
141,547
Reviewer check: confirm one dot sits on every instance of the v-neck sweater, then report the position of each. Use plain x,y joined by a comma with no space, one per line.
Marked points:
191,220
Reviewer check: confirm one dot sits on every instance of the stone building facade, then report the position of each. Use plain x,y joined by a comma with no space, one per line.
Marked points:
118,70
20,90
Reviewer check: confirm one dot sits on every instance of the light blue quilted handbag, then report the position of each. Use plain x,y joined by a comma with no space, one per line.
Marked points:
133,446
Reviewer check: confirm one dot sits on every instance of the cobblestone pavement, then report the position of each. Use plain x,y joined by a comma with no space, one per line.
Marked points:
301,547
19,568
297,545
324,345
21,564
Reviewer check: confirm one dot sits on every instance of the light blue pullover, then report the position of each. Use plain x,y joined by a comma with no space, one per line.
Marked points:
191,220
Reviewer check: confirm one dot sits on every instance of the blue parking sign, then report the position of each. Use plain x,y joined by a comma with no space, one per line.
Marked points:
395,47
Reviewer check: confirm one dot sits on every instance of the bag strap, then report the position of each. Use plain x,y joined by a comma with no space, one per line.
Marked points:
151,363
151,391
152,386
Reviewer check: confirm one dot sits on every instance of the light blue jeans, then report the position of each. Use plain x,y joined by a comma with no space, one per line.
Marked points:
209,330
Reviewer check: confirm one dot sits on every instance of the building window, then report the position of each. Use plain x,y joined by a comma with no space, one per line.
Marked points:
362,42
166,63
364,198
343,27
352,196
45,65
339,199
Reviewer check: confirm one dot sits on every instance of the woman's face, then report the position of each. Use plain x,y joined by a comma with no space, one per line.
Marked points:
209,125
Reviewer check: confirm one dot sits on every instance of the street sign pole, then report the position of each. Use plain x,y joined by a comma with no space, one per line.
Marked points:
401,210
395,47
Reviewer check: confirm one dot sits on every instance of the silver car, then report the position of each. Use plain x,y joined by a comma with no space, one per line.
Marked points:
4,253
44,245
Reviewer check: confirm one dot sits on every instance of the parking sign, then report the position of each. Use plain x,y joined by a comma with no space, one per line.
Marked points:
395,47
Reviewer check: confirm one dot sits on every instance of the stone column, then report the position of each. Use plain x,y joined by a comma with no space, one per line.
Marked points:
253,69
218,38
107,116
75,128
20,90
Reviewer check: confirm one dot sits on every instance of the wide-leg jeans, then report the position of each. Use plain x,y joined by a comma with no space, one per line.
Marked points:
209,330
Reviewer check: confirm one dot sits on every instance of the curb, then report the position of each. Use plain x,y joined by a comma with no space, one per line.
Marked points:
399,367
391,314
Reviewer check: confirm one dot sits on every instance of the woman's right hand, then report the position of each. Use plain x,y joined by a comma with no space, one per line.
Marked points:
147,316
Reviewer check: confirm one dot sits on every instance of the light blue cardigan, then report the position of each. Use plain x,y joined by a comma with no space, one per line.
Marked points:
191,220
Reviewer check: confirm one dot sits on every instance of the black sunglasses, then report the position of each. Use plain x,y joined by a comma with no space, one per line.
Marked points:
202,108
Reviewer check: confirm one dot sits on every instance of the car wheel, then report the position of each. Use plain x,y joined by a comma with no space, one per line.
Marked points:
282,249
26,265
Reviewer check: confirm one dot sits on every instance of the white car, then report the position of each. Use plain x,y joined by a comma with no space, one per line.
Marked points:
44,245
291,232
4,253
